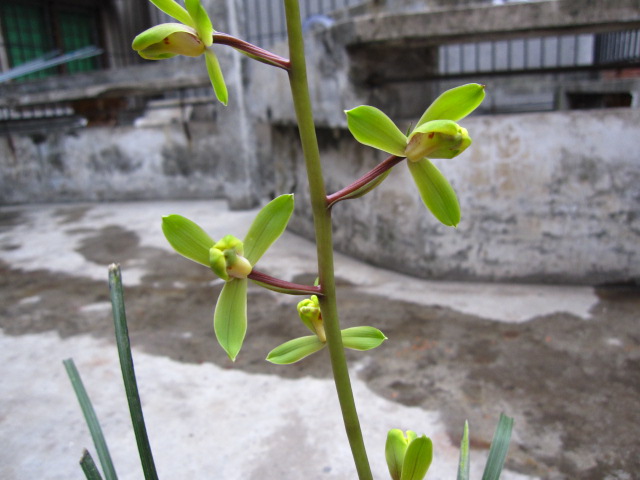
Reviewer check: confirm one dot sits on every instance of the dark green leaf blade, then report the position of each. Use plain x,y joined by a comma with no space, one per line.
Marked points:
89,467
129,374
91,419
499,449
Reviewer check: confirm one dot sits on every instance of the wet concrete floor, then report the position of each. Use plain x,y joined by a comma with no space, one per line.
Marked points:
565,365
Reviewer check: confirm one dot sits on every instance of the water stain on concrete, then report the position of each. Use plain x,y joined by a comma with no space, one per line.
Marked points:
573,385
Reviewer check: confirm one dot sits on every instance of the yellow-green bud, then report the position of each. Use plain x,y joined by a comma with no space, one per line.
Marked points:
167,40
311,316
437,139
226,260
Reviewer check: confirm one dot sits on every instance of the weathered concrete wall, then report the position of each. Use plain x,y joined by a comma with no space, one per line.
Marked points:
163,160
545,197
122,163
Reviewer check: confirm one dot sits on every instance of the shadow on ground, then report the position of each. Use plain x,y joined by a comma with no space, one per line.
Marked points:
573,385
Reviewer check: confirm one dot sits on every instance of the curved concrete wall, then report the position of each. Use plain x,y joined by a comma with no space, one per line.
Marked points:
545,197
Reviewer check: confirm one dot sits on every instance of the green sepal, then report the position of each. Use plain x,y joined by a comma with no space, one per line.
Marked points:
175,10
374,128
499,448
202,22
216,77
187,238
362,338
268,225
363,190
417,459
454,104
218,263
295,350
463,464
230,317
156,35
394,451
436,192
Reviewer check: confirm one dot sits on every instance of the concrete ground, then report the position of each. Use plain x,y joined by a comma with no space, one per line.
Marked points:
563,361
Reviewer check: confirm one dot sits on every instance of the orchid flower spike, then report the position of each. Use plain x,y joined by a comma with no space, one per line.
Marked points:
192,38
436,135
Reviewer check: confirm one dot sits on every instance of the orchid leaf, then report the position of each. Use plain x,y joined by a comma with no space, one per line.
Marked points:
417,459
175,10
499,448
295,350
201,20
362,338
187,238
363,190
454,104
374,128
436,192
230,317
268,225
216,77
463,465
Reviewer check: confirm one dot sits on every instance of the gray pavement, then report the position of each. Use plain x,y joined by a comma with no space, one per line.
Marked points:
562,360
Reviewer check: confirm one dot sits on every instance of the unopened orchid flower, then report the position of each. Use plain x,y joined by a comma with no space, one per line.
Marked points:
436,135
192,37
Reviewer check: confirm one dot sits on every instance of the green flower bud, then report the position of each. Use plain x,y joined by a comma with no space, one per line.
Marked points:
167,40
395,450
311,316
437,139
226,260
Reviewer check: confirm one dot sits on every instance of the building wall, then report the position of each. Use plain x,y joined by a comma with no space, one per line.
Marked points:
545,197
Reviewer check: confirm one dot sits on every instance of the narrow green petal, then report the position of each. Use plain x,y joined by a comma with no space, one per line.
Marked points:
394,451
187,238
216,77
295,350
463,464
454,104
230,317
436,192
201,20
268,225
372,127
417,459
175,10
157,34
362,338
499,448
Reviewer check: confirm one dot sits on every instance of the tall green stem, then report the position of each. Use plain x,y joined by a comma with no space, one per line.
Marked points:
324,237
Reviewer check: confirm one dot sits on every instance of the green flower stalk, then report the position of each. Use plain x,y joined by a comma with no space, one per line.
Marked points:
192,37
436,135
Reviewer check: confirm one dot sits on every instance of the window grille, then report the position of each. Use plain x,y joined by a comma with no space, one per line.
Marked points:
33,30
